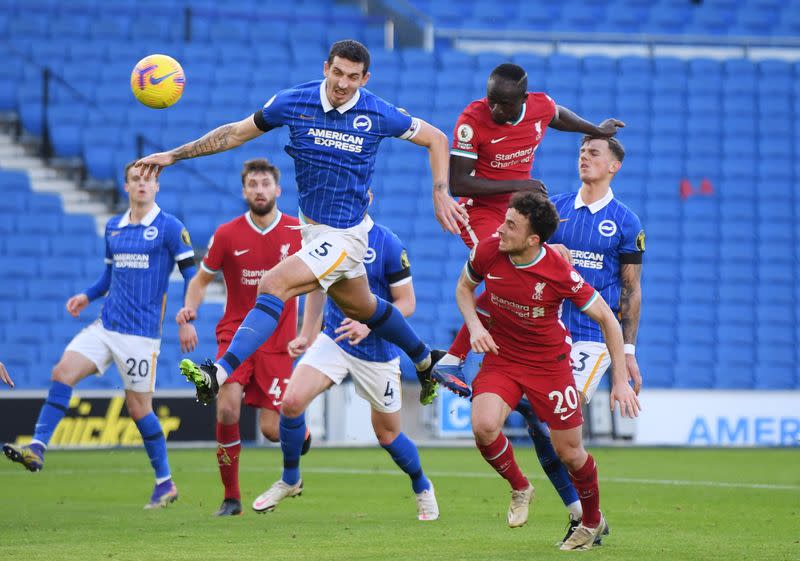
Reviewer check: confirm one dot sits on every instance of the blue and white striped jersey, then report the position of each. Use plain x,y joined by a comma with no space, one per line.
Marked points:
334,149
142,257
387,266
600,237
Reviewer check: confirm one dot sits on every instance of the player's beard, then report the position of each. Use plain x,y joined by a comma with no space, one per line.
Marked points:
262,209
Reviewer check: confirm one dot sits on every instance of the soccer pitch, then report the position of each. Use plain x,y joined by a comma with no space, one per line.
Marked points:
670,504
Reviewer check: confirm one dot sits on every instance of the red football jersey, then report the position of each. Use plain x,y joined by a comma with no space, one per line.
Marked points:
525,301
501,151
244,252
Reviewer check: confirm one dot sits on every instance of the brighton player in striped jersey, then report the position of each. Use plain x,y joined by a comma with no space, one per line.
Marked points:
528,353
241,250
143,244
335,128
347,347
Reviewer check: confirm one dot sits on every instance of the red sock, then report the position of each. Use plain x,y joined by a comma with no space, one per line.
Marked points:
461,346
500,455
229,446
585,481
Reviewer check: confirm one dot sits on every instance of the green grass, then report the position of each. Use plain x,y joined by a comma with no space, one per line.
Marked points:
662,504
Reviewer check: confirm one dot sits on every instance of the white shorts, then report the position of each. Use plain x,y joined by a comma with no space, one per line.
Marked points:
332,253
377,382
134,355
590,360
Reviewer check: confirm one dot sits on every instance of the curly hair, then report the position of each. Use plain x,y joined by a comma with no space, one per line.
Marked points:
539,210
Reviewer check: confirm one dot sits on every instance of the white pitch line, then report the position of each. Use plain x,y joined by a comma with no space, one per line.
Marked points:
434,474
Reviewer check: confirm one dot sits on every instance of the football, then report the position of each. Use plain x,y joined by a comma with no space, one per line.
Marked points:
157,81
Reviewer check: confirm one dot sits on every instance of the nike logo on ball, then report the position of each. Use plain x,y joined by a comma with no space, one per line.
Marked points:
156,81
239,252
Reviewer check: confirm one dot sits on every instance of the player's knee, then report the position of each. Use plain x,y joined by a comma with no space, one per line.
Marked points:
137,409
63,374
385,435
292,406
227,414
270,283
570,454
485,431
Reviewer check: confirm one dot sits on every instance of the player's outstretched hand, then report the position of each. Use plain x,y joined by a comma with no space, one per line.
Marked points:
187,335
185,315
298,346
448,212
352,330
4,376
481,341
537,186
609,127
76,304
154,163
562,250
628,402
633,373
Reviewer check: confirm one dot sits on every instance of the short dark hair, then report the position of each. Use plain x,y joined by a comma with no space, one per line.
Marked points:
614,145
260,164
511,73
539,210
128,166
352,50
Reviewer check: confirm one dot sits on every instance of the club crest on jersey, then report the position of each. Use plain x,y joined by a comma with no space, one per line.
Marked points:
284,251
465,133
538,126
362,123
150,233
607,228
370,255
538,291
640,241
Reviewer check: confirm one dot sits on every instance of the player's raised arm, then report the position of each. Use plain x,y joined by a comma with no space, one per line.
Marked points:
621,391
447,210
218,140
568,121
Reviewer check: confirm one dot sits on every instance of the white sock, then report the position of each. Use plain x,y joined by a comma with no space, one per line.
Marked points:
160,480
221,374
450,360
575,510
424,363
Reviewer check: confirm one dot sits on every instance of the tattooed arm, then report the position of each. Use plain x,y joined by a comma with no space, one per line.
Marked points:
220,139
630,303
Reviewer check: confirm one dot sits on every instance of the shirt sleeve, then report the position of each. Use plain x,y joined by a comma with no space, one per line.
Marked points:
479,261
396,265
465,137
212,262
400,124
272,115
631,247
109,259
570,285
178,241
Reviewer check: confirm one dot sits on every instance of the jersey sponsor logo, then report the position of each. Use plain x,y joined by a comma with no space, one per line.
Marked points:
464,133
362,123
250,277
538,291
338,140
131,261
538,126
587,259
185,237
150,233
496,140
370,255
640,241
284,251
521,310
404,262
238,252
578,279
607,228
514,159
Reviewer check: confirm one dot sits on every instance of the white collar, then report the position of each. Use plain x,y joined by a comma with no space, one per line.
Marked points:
518,120
146,221
266,230
326,104
595,206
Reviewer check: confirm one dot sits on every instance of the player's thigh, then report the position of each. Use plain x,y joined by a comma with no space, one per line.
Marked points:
87,353
590,360
139,404
334,254
483,223
322,365
305,384
354,298
289,278
552,394
136,358
377,382
386,426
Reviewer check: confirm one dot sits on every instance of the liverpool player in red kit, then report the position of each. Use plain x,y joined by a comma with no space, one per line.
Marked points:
527,353
243,250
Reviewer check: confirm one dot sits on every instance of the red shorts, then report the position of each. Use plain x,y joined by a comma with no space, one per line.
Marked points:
484,222
549,387
264,377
